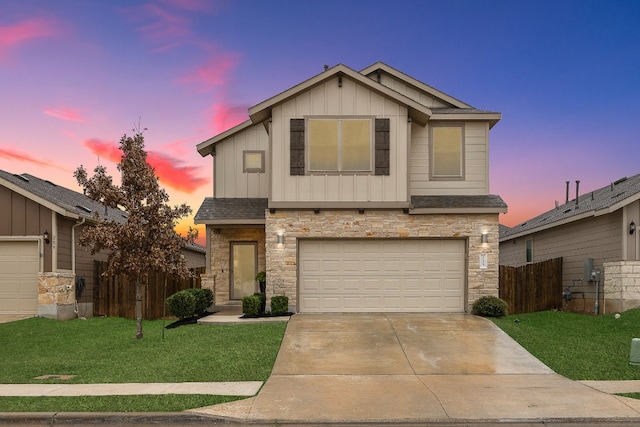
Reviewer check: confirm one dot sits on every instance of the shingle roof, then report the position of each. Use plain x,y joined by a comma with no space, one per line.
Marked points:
467,202
67,200
213,209
603,200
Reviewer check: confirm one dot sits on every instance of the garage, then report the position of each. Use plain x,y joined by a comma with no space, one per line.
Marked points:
375,275
19,264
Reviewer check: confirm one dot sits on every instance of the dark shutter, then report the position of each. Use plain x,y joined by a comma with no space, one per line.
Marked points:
297,147
382,147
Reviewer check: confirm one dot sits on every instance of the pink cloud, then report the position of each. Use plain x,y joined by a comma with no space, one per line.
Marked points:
16,34
160,26
69,114
17,156
213,74
225,116
169,170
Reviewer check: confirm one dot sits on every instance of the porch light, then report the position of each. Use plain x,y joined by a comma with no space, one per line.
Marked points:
485,238
632,227
45,236
280,239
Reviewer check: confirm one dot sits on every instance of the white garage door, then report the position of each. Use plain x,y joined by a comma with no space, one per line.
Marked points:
381,275
19,278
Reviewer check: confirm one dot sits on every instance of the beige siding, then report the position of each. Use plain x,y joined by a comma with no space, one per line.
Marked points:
476,163
599,238
410,91
230,180
350,100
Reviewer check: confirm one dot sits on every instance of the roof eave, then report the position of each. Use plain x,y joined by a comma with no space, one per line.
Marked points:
250,221
461,210
492,118
207,147
46,203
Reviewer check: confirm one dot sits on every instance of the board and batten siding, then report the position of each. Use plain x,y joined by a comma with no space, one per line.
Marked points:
409,91
476,163
230,180
328,99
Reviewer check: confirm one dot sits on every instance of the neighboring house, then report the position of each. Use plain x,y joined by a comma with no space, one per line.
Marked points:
39,265
356,192
595,234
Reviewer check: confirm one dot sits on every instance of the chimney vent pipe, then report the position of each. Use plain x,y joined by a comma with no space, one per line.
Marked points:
577,190
567,197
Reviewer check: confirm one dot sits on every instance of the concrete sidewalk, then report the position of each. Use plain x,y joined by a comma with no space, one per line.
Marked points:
246,388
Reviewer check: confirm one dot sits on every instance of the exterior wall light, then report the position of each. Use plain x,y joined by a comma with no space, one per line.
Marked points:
45,236
632,227
281,239
485,238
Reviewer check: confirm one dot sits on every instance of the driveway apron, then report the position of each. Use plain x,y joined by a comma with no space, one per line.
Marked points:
413,368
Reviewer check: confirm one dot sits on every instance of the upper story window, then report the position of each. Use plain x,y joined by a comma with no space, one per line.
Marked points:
447,152
253,161
340,145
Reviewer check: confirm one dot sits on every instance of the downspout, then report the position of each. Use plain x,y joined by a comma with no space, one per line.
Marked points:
73,258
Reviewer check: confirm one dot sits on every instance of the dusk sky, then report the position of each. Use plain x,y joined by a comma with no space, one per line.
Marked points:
76,75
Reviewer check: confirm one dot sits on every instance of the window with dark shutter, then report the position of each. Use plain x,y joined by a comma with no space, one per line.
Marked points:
297,147
382,147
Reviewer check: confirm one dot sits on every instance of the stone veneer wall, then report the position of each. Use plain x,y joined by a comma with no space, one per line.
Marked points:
282,269
56,295
219,277
621,286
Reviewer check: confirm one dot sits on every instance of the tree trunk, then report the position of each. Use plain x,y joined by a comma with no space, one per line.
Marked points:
138,308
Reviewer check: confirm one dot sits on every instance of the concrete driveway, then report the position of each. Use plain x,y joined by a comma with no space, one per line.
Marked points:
372,368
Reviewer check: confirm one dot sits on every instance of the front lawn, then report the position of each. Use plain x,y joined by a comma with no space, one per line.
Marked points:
104,350
578,346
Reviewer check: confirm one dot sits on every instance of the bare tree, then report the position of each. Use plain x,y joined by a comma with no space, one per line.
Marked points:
147,242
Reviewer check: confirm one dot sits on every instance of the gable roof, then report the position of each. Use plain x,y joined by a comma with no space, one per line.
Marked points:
418,112
602,201
64,201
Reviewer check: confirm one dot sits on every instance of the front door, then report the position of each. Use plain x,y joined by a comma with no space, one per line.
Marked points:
244,262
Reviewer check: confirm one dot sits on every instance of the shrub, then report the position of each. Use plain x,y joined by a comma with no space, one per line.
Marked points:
490,306
182,304
279,304
204,299
251,305
263,301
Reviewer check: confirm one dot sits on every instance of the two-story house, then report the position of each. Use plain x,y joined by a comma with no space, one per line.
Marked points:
356,192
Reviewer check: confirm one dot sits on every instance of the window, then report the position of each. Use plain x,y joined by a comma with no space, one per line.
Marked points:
339,145
253,161
529,250
447,152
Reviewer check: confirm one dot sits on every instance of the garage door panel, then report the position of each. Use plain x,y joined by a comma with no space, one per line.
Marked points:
19,265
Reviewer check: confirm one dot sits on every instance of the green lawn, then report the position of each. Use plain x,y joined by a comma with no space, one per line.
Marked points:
578,346
104,350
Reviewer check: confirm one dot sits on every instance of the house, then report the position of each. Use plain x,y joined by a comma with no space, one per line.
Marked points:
595,234
43,269
356,192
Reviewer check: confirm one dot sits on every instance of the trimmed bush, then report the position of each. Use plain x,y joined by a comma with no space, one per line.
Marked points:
251,305
279,304
490,306
263,301
182,304
204,299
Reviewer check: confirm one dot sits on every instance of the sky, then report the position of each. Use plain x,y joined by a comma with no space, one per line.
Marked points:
77,75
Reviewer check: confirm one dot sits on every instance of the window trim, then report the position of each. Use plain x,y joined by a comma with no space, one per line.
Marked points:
432,157
245,169
372,148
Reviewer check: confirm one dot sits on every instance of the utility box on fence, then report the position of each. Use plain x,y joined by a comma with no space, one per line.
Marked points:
634,356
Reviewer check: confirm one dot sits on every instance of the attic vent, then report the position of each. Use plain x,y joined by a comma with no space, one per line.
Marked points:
125,216
50,183
567,211
544,219
84,208
22,177
523,224
620,181
617,195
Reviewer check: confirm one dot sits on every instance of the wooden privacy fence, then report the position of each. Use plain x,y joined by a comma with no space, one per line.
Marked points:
114,296
532,287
